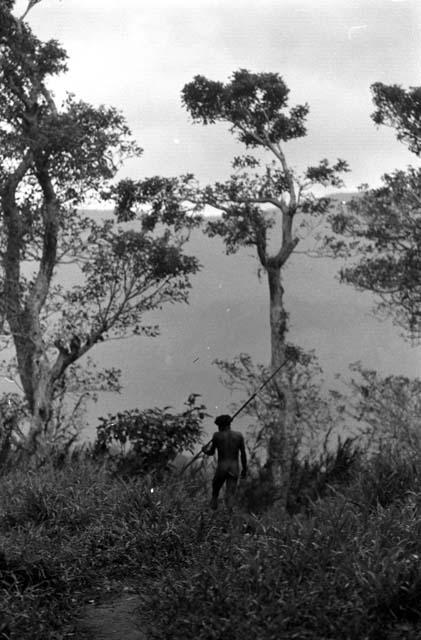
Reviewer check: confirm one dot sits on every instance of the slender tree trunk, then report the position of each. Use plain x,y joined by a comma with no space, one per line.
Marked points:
23,313
281,436
37,382
41,411
7,427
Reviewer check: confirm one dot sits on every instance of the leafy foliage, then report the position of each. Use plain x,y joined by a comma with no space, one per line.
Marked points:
161,196
127,273
385,410
253,102
382,228
254,105
153,436
314,417
401,109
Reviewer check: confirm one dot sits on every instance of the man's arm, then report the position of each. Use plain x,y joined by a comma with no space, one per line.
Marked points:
210,447
243,457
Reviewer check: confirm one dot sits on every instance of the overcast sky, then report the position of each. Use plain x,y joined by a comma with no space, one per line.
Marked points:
138,56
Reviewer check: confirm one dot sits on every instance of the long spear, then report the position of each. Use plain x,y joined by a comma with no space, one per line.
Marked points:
243,406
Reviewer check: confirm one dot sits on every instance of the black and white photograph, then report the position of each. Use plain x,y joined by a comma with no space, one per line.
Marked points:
210,320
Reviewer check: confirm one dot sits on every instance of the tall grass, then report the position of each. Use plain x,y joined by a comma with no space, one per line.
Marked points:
61,531
348,568
345,565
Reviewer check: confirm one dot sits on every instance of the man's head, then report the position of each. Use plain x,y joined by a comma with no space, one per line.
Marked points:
223,422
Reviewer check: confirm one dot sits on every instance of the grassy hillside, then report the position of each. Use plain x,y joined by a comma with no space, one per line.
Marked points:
343,563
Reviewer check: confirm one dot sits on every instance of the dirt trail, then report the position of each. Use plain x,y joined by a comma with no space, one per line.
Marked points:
113,620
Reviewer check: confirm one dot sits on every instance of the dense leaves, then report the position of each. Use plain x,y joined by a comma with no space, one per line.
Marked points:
153,437
401,109
165,201
253,103
383,227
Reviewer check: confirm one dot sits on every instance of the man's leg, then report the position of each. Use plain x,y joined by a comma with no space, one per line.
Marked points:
230,489
218,481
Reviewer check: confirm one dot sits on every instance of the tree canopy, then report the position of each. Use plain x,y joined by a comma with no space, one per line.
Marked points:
54,159
382,226
400,109
254,103
257,194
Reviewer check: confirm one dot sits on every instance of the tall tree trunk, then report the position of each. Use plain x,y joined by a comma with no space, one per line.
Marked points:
23,313
282,430
37,381
40,411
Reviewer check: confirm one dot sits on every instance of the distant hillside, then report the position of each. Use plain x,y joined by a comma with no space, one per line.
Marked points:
344,196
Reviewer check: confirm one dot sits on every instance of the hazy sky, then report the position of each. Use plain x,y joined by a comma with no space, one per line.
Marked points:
138,56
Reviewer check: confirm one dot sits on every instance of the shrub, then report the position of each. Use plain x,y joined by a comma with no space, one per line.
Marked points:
310,480
150,439
387,477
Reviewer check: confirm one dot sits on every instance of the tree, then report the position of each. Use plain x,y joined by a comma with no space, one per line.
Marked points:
53,159
264,207
381,229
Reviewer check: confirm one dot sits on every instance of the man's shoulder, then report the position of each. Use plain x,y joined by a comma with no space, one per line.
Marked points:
222,435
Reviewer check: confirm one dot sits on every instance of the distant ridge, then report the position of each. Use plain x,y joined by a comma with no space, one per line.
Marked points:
344,196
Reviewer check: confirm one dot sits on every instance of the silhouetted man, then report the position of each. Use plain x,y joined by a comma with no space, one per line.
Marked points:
228,444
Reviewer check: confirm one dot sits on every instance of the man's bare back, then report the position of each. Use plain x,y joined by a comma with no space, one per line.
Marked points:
229,445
